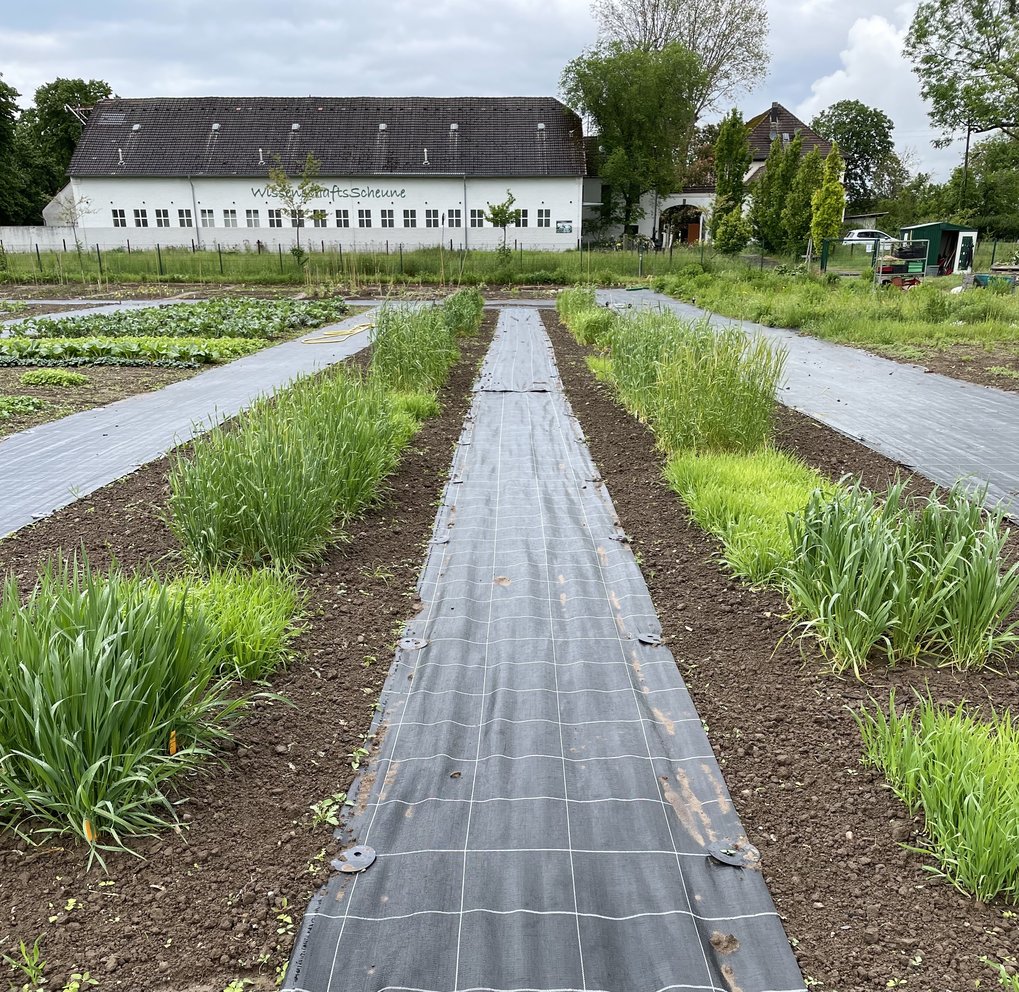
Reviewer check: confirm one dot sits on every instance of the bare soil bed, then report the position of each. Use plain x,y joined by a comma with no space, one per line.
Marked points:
221,900
39,309
978,365
861,911
109,383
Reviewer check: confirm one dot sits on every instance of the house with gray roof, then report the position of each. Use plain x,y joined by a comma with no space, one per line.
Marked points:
414,171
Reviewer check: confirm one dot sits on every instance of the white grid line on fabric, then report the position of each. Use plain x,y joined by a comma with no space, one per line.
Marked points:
524,563
508,640
516,597
583,723
636,702
531,691
533,798
517,617
688,914
474,778
530,757
492,988
542,850
544,661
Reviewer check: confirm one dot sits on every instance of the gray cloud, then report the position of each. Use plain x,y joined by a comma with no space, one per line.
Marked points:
824,50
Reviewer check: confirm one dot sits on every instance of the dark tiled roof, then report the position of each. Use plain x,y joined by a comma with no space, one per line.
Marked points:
763,129
498,136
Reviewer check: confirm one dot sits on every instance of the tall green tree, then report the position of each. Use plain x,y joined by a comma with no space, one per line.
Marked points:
864,136
829,202
730,37
799,209
966,54
769,193
732,159
641,104
987,195
15,202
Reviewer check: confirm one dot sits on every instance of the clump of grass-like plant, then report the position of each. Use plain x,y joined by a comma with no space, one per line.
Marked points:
111,688
463,312
575,300
962,773
64,378
299,465
412,348
745,500
907,582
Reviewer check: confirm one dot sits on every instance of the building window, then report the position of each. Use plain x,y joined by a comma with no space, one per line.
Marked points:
252,218
364,218
431,218
410,218
544,218
184,218
318,218
388,218
477,218
119,218
141,218
343,218
455,217
275,218
229,218
162,218
297,218
208,218
521,220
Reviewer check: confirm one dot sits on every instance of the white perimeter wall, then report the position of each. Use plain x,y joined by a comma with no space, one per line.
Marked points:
99,197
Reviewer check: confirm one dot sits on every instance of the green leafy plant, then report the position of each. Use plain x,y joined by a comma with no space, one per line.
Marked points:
19,406
962,773
202,351
906,582
31,964
115,692
54,377
297,467
327,811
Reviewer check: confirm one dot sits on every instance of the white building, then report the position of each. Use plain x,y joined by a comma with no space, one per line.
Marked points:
412,172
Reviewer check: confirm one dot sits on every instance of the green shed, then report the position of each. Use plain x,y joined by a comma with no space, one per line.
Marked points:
950,248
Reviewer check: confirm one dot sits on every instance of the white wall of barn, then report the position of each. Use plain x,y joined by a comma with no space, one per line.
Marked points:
97,198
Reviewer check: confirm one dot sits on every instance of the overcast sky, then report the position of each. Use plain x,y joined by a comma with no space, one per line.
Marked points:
823,51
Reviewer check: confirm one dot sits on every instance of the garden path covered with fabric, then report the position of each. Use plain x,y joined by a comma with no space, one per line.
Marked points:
943,428
543,799
50,466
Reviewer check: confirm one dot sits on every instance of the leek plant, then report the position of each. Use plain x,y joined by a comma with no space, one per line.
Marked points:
111,688
962,773
907,584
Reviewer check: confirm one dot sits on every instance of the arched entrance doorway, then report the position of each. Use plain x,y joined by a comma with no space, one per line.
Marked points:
681,224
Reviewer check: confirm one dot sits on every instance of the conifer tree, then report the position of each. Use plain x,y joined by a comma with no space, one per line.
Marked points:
829,202
732,159
798,208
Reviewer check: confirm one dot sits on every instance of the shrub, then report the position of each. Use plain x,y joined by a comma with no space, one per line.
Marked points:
271,490
962,773
110,689
54,377
905,582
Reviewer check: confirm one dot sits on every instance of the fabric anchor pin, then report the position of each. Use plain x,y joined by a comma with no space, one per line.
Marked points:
355,860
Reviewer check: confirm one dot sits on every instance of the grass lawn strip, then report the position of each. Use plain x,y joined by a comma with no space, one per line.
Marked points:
829,829
260,812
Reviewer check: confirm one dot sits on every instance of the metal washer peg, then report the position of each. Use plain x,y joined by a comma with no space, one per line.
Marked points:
355,860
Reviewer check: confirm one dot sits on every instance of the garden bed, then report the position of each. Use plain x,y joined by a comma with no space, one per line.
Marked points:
107,384
221,901
860,910
996,366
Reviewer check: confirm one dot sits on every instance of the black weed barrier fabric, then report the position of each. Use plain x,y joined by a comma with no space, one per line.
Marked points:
943,428
544,798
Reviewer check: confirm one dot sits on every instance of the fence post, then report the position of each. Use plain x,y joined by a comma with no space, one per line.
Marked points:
99,256
219,249
640,263
65,243
994,251
280,246
38,257
159,258
401,258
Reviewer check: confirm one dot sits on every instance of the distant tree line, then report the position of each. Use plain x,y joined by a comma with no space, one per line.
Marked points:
36,144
